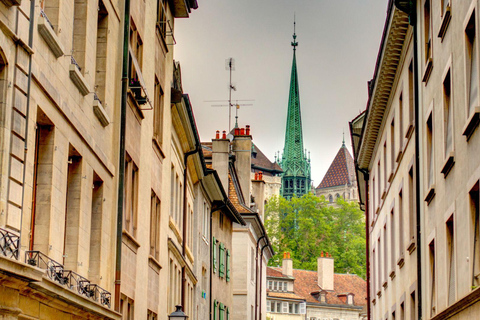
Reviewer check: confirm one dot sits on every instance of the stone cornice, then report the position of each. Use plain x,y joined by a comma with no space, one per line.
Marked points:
387,63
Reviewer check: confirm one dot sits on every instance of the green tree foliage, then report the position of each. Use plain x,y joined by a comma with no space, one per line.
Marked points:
307,226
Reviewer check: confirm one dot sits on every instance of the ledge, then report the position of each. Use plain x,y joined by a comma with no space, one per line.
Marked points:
409,132
154,264
50,37
447,16
175,230
472,123
379,293
428,70
401,262
430,194
384,194
399,156
392,274
461,304
130,241
78,79
385,285
100,113
10,3
390,177
411,247
448,164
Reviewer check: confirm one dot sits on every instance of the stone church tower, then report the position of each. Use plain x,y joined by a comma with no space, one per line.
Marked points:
296,177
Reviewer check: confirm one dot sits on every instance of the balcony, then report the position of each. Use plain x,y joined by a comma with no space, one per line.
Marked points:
10,3
77,77
9,244
45,28
67,278
99,111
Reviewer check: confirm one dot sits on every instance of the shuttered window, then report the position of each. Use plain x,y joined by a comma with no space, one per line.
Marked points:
215,304
214,254
228,266
221,250
221,312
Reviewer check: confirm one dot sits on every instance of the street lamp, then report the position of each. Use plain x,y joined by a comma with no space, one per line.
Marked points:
178,314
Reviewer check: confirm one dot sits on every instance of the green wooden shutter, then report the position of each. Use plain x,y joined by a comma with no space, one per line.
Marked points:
222,260
222,312
228,266
228,313
214,254
215,309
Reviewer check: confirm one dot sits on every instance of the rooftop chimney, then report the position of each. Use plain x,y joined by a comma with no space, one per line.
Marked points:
258,192
220,157
287,265
242,148
325,271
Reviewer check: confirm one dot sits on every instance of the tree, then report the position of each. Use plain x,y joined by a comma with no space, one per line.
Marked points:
307,226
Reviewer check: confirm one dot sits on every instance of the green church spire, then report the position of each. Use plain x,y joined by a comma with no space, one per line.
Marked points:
296,167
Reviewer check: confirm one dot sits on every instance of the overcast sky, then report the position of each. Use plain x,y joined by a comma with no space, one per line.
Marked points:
338,45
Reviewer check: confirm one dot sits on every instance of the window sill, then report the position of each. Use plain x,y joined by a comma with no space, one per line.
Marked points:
411,247
390,177
78,79
50,37
175,230
189,254
136,107
385,285
374,302
205,240
130,241
428,70
157,148
100,113
379,293
399,155
448,164
392,274
154,264
472,123
447,16
430,194
384,194
401,262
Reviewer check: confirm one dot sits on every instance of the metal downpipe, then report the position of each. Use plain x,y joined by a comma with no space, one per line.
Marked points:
256,276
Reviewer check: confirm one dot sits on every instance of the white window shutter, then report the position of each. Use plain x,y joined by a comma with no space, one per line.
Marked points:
303,307
284,307
268,305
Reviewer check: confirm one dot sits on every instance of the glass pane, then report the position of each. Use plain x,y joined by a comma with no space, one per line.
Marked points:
473,78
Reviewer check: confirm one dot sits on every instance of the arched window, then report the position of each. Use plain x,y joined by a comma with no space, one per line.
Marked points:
337,196
330,198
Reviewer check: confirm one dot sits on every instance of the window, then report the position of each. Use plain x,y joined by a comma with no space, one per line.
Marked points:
427,30
413,307
214,254
411,101
155,226
374,273
447,115
158,113
400,123
206,216
450,260
411,207
136,44
72,208
392,148
270,285
472,64
431,247
221,312
227,277
279,306
430,151
127,308
475,213
131,194
221,251
374,203
385,255
215,306
401,222
379,181
392,240
176,197
162,18
96,226
151,315
275,288
79,33
101,52
385,177
402,311
190,227
379,260
252,274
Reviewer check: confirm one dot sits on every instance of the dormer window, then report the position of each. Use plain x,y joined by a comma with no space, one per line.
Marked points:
350,299
322,298
277,286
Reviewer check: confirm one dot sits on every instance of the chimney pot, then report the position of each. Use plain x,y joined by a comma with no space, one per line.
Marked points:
217,135
224,134
256,178
242,131
321,254
260,177
237,131
287,265
284,255
248,129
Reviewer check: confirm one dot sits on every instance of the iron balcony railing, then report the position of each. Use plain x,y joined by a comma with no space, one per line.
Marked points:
68,278
43,14
9,244
75,63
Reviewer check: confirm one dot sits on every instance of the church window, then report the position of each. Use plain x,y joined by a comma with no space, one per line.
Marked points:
330,198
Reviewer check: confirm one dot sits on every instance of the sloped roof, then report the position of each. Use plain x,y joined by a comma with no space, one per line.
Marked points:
283,295
306,283
261,162
272,272
341,171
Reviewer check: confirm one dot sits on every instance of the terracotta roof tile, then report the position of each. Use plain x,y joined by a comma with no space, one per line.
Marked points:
207,149
306,283
341,171
271,272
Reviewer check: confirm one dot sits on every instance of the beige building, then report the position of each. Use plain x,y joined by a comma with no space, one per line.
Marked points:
294,294
430,215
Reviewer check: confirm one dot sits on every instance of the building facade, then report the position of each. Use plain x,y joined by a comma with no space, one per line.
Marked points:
314,295
415,150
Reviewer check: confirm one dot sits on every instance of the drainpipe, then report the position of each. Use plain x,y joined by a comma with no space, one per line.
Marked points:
121,164
366,177
261,265
185,214
410,8
256,275
27,115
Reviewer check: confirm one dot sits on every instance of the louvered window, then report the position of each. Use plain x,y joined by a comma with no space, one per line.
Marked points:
451,260
227,277
221,312
214,254
221,268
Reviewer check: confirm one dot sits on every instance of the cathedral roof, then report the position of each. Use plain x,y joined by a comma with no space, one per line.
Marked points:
262,163
341,171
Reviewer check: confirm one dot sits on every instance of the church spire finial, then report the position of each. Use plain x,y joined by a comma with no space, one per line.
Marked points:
343,142
294,42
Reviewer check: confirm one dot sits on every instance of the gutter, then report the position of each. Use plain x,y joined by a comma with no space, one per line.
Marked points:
261,276
256,274
121,166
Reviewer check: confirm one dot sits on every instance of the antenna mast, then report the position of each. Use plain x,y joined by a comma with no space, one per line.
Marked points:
230,66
